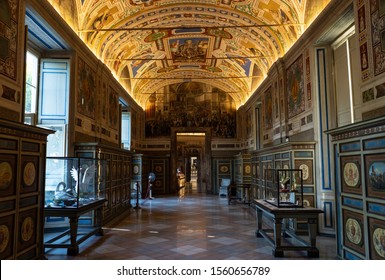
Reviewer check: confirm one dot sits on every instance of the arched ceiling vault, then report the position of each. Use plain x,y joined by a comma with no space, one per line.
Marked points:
225,44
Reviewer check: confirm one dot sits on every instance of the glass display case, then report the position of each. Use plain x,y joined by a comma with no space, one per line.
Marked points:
74,182
284,187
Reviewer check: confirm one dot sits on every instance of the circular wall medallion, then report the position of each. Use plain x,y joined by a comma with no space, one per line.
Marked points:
247,169
29,173
4,237
379,241
351,174
27,229
305,171
136,169
224,168
158,169
5,175
353,231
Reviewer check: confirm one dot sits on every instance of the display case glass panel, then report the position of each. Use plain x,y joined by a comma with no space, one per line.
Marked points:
74,182
284,187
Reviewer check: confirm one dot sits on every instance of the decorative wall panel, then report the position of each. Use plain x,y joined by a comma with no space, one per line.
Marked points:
360,167
377,239
9,33
354,234
377,11
22,169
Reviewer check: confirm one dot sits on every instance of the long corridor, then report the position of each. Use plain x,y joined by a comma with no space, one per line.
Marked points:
193,227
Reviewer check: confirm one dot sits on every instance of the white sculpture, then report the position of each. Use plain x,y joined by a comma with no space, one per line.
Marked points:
83,178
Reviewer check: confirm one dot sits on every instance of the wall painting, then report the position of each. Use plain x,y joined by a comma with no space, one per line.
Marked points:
190,104
9,14
375,175
268,109
86,90
378,35
295,88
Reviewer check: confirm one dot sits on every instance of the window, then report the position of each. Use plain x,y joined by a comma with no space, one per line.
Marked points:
52,91
126,130
53,104
345,70
31,87
258,144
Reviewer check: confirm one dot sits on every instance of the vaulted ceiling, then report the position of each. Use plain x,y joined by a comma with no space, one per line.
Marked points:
225,44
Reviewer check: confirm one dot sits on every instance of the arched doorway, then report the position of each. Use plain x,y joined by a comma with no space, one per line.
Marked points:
191,151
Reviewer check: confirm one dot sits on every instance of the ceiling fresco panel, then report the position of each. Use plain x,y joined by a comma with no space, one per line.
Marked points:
226,44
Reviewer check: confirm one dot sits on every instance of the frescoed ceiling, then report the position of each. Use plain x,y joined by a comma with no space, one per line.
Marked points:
226,44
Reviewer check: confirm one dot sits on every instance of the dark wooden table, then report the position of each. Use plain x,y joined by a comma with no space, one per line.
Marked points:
73,214
280,229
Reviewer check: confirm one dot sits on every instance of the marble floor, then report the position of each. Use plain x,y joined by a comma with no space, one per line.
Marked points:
190,227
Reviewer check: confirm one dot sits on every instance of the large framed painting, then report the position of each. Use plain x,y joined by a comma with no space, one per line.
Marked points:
295,88
268,109
113,114
377,239
374,175
351,174
353,230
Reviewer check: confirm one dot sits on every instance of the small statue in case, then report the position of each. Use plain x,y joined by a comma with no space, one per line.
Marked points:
284,187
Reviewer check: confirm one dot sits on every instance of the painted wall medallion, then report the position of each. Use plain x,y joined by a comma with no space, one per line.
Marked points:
5,175
350,169
136,169
4,237
353,231
27,229
224,168
158,169
247,169
308,200
351,174
305,171
379,241
29,174
306,165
